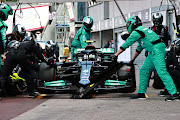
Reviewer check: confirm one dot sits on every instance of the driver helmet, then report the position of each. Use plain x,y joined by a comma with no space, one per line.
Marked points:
50,46
157,19
19,32
132,23
5,10
88,22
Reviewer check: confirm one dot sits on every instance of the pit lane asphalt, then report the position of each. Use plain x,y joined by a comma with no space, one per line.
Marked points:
111,106
13,106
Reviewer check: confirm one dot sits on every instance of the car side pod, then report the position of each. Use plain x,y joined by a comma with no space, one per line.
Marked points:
112,68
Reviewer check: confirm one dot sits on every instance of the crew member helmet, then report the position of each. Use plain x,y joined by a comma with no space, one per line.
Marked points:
88,22
132,23
175,46
5,10
13,43
28,39
50,46
157,19
19,31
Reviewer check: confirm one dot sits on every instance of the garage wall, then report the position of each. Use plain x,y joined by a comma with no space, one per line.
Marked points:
107,36
132,6
95,36
97,12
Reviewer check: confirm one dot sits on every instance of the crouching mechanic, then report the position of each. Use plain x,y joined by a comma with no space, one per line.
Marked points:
19,54
83,34
52,50
151,42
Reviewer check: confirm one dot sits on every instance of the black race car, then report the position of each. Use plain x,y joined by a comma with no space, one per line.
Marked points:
91,70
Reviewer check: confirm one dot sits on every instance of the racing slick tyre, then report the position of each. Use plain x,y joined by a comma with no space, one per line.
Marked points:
46,73
127,73
21,87
158,84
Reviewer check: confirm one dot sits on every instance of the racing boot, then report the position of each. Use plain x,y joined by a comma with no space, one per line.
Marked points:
163,93
174,97
32,94
139,96
30,88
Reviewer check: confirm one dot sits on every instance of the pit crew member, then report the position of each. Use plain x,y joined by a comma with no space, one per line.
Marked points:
151,42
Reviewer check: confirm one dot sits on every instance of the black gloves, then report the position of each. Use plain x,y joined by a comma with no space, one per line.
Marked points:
131,62
114,59
50,61
125,35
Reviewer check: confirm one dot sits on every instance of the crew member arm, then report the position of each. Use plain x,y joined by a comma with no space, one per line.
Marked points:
83,39
3,39
39,52
167,36
135,55
130,40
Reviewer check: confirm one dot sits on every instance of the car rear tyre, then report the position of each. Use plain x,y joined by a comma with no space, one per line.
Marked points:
46,73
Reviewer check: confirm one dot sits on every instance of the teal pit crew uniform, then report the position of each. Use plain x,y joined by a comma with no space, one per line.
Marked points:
149,40
5,11
83,34
3,29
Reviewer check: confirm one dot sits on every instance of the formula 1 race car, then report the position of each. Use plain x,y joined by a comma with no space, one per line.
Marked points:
91,70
